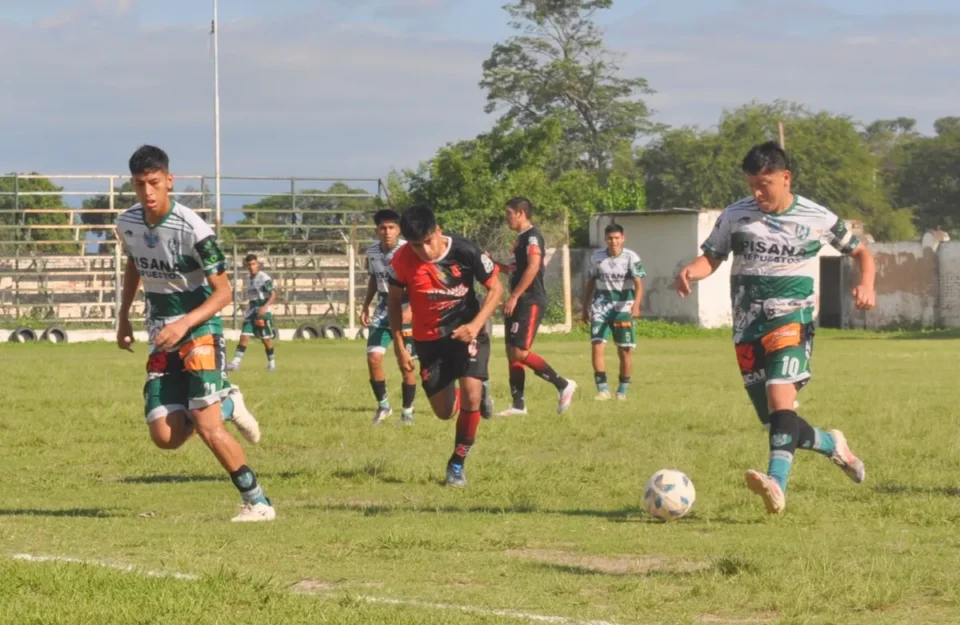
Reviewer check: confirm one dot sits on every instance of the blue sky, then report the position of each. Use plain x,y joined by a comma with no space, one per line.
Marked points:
357,87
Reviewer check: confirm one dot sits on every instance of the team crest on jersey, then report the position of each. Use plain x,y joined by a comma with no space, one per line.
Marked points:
803,232
152,239
174,246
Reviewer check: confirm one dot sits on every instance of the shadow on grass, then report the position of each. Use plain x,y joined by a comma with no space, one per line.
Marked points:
171,479
908,335
585,571
67,512
892,488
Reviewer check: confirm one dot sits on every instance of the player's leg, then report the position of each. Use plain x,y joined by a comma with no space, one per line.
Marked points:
437,376
623,336
164,403
599,331
470,363
530,316
245,333
409,385
514,341
206,387
378,340
267,333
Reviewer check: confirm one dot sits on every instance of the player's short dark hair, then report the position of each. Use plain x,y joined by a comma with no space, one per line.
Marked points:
249,257
149,158
611,228
521,203
386,214
766,157
417,222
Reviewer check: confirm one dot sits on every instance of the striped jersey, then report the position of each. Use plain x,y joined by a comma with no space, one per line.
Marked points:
378,266
173,259
774,261
615,289
259,289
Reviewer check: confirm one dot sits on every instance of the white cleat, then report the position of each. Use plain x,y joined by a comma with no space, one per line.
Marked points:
622,396
512,412
255,513
381,415
845,459
233,366
406,417
566,397
768,489
271,366
603,396
242,418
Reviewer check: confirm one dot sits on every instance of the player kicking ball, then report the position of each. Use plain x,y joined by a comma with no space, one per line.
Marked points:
379,336
438,273
523,310
611,301
258,320
184,273
775,236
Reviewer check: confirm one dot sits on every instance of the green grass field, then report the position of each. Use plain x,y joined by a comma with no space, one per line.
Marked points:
550,526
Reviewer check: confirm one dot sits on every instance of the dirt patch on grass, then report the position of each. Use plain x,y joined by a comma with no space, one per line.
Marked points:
313,585
713,619
611,565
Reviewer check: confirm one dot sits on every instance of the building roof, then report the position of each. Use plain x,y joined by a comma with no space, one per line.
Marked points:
659,211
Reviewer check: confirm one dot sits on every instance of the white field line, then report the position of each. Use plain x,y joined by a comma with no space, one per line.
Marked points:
513,614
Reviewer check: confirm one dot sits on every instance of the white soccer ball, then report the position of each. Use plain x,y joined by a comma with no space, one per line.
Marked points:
669,494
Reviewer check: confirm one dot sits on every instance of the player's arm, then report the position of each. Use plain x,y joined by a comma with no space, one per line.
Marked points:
534,260
268,306
638,297
863,294
703,267
131,284
367,300
588,298
395,312
486,272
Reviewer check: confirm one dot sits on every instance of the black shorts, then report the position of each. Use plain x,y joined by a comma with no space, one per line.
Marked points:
447,359
521,327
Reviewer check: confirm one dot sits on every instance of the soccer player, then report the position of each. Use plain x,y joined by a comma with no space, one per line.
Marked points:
775,236
177,257
523,310
258,320
438,273
379,338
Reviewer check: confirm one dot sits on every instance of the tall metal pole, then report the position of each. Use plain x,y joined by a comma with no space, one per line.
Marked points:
216,112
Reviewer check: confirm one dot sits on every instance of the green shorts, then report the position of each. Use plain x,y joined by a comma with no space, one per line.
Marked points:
379,338
259,328
188,378
619,324
782,356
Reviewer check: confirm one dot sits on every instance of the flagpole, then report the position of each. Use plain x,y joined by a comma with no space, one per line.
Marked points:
214,30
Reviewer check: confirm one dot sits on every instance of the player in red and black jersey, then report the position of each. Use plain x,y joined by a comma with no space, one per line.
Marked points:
438,273
523,310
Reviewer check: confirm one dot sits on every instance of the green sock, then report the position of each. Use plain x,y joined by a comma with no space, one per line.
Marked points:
226,409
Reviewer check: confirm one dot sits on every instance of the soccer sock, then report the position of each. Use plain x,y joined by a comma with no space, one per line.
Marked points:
545,371
624,385
600,377
238,355
270,354
784,433
409,391
815,439
246,482
226,408
518,377
467,424
380,392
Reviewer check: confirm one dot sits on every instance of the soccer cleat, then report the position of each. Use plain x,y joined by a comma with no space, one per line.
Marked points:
566,397
254,513
512,411
768,489
382,414
622,396
271,366
844,458
233,366
455,475
602,396
243,419
406,416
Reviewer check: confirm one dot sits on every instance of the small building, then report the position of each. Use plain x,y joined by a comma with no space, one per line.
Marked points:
668,239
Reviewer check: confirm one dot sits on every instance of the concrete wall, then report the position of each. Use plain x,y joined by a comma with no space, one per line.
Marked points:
948,285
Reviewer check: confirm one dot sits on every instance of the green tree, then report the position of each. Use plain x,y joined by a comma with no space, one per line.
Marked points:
559,68
11,215
928,179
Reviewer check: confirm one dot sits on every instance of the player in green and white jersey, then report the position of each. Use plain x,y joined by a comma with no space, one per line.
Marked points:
775,237
176,256
258,320
611,301
379,336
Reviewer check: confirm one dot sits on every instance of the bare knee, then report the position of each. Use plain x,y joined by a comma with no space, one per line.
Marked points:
374,360
515,354
167,439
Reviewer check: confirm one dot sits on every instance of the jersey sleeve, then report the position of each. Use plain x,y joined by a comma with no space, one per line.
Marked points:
636,267
841,238
534,242
484,269
717,245
268,285
210,255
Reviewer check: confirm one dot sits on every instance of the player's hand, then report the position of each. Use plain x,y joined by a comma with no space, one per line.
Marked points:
262,312
467,333
170,335
365,316
682,282
864,297
404,359
125,335
407,315
586,317
509,305
635,312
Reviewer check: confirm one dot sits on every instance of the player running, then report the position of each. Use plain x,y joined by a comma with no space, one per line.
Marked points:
775,237
379,336
611,301
258,320
183,270
523,310
438,273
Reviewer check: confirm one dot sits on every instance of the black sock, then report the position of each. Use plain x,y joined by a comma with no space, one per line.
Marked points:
600,377
518,377
806,435
240,350
784,433
246,482
544,371
270,353
379,390
409,392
